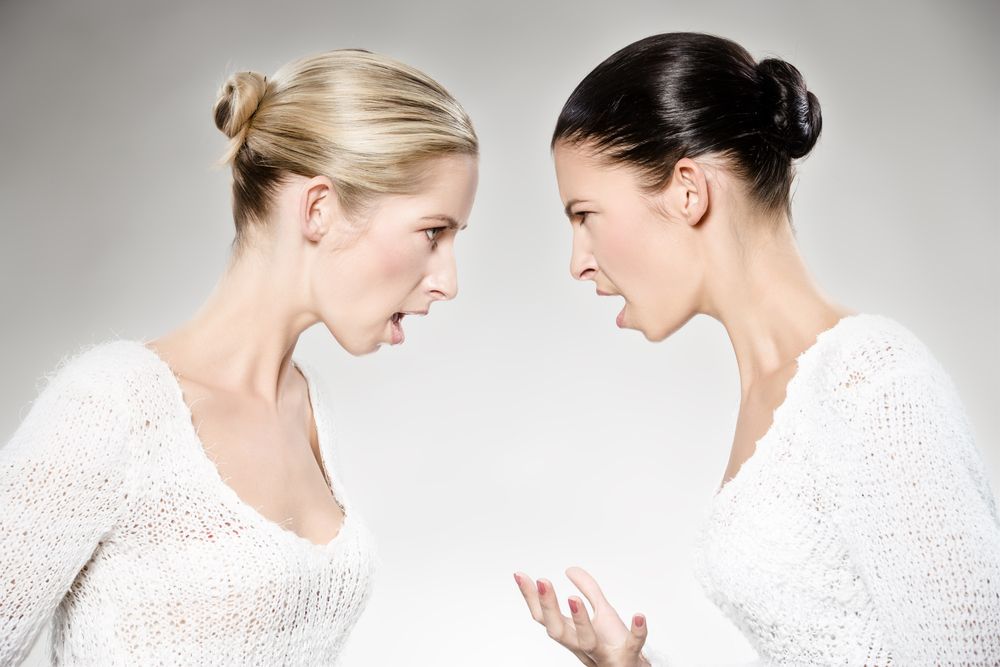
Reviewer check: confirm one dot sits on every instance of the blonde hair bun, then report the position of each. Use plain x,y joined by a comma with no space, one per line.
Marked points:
237,101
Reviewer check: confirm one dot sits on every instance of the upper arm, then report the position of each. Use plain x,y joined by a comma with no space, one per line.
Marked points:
63,487
919,520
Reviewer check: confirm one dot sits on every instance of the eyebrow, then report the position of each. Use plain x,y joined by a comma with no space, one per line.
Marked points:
452,223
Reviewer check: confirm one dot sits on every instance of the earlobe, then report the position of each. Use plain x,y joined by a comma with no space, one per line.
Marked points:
312,224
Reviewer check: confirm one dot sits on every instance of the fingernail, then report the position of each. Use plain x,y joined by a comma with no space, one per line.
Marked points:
541,588
517,578
573,606
639,621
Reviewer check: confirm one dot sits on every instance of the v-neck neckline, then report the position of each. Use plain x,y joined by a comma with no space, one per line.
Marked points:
804,364
319,424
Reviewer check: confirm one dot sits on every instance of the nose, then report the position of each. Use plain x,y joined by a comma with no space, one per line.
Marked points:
443,279
582,264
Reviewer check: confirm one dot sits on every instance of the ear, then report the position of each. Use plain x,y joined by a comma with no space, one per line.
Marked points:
686,194
319,207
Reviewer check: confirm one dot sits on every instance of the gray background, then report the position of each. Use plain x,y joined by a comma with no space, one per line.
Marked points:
517,427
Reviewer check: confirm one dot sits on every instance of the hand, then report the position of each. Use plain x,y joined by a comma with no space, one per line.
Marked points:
603,642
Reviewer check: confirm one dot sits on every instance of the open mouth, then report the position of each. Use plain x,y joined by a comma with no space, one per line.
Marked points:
397,328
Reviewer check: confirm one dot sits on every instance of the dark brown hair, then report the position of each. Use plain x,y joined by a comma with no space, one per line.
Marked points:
685,94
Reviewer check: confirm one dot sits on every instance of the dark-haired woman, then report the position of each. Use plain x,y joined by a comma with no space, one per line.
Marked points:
854,524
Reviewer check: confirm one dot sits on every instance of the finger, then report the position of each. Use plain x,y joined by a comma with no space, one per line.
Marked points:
586,638
637,635
555,623
530,593
588,586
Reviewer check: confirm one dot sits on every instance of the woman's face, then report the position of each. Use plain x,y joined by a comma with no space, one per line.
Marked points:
401,261
628,243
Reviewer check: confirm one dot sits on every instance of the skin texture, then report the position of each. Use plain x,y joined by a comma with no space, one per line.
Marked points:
309,264
699,245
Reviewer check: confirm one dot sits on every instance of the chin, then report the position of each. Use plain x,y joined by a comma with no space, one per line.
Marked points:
653,336
656,332
355,348
363,350
664,330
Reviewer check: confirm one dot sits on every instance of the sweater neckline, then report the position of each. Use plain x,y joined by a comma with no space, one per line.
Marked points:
805,362
234,499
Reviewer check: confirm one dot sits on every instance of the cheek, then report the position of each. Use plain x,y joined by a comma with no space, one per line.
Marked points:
671,290
386,272
386,266
399,267
359,284
623,253
656,269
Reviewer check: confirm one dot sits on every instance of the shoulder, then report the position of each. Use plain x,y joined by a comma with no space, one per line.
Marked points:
879,372
103,370
897,409
870,367
88,397
867,348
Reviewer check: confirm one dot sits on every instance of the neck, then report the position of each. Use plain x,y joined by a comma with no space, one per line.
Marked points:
245,332
766,299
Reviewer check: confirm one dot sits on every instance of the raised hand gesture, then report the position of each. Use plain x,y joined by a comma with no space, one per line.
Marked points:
603,641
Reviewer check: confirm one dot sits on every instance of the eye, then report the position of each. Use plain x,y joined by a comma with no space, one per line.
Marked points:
434,232
582,215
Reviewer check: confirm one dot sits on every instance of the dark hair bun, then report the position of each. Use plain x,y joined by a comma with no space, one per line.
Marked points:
686,94
792,115
237,101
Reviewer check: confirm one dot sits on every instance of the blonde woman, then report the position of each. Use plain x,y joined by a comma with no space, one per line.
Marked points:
854,523
175,500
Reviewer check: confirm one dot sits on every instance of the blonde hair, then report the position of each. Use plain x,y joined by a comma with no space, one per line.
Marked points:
366,121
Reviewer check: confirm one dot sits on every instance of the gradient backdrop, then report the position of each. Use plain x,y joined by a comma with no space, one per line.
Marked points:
517,427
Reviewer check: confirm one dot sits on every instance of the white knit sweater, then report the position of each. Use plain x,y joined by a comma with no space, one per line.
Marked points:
116,524
863,530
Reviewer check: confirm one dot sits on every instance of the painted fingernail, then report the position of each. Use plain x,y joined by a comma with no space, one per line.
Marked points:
639,621
573,606
517,578
541,588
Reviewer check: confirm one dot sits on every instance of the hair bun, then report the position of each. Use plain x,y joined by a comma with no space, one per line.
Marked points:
237,101
793,119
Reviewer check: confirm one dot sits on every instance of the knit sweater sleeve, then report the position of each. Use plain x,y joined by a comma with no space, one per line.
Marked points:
62,490
920,520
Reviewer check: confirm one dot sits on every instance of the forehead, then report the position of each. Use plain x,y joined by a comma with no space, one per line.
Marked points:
440,175
584,174
445,192
449,183
572,156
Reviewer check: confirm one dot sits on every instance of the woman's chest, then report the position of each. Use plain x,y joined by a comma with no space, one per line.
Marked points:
185,562
186,587
770,556
188,529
